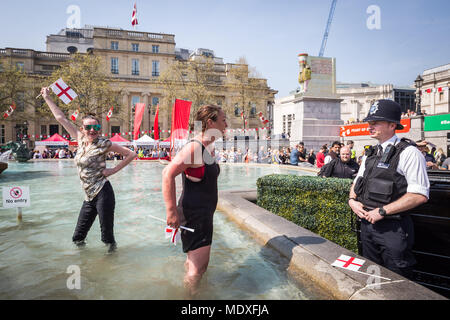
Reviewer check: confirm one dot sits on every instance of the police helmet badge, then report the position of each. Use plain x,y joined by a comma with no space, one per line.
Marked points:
373,108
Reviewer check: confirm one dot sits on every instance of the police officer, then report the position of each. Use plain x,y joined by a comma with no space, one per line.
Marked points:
392,179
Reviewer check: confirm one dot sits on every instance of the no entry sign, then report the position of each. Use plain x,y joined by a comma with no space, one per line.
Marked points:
16,197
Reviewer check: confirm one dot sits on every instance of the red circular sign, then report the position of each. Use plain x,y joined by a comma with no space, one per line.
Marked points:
16,192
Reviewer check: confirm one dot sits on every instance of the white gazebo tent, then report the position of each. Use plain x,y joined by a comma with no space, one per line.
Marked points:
145,140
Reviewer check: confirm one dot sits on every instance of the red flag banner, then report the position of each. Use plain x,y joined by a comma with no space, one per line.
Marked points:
155,125
9,111
109,114
138,114
134,20
361,129
180,121
74,115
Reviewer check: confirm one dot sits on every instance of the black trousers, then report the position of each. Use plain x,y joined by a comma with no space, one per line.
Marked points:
103,204
389,243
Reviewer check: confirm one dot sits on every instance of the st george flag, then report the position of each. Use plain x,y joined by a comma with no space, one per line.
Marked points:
134,20
173,234
9,111
74,115
63,91
349,263
109,114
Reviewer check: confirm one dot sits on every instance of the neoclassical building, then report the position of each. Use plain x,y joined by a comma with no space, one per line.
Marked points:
134,61
435,97
358,97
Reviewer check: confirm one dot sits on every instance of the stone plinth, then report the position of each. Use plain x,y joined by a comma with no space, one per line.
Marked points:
317,121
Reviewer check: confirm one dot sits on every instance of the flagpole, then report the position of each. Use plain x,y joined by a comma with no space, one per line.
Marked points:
156,218
367,274
40,94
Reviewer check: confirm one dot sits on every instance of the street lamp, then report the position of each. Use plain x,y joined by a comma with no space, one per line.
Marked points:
418,83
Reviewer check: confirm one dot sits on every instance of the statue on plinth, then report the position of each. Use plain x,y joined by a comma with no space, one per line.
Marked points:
304,75
20,151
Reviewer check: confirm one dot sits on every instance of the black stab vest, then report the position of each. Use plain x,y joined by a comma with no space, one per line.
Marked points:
381,183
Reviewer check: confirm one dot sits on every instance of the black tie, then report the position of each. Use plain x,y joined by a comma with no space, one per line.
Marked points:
380,150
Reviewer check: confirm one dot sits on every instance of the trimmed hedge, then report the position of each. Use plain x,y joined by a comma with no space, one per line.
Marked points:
314,203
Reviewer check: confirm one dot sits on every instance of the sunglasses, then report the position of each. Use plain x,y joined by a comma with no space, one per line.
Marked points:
96,127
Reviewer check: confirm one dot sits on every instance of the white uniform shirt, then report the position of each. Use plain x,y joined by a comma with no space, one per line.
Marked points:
411,165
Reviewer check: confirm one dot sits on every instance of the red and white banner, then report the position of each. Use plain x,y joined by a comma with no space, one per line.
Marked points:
109,114
63,91
156,124
9,111
134,20
349,263
138,114
362,129
74,115
173,234
263,120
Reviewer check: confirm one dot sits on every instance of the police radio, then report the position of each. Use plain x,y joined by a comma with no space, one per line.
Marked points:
387,155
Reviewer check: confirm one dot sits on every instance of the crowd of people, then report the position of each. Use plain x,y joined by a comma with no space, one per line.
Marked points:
396,181
297,156
66,153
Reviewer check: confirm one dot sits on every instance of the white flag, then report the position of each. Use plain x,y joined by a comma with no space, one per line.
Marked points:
9,111
173,234
349,263
109,114
75,115
63,91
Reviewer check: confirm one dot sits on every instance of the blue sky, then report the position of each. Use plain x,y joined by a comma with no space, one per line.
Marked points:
270,34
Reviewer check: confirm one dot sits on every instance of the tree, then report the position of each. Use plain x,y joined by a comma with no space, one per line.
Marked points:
247,89
191,80
84,73
17,87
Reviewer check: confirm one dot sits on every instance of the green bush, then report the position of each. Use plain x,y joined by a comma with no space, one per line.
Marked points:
317,204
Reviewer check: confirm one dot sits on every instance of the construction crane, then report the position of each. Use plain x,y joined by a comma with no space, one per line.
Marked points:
327,29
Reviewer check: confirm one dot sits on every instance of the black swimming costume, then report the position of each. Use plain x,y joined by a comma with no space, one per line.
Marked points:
198,203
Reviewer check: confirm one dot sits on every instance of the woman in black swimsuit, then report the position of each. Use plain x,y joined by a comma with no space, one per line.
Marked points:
198,201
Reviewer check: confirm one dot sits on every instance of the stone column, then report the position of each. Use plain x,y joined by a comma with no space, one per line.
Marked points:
126,110
165,122
146,120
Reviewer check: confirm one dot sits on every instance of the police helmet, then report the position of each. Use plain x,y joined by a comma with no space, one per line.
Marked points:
385,110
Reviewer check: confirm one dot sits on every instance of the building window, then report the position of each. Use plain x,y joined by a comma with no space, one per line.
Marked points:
289,124
2,135
20,66
20,102
237,111
54,128
135,47
135,67
155,48
155,102
155,68
114,45
252,110
115,65
115,130
43,129
134,100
